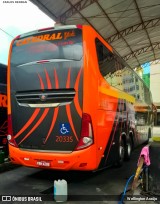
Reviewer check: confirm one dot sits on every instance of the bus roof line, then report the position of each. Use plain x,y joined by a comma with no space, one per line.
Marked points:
48,29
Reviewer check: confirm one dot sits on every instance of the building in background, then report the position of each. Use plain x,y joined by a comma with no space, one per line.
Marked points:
155,89
150,73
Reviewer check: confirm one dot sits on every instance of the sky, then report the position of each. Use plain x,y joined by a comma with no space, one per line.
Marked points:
18,18
146,68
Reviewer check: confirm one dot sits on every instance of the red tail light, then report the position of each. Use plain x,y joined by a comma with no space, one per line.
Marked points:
86,138
10,132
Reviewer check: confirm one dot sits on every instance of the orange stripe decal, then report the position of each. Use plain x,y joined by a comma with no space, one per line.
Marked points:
41,82
76,100
53,123
37,110
56,79
68,110
36,125
55,114
34,115
48,80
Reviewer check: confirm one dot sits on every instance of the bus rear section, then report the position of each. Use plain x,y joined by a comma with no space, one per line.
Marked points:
3,110
48,127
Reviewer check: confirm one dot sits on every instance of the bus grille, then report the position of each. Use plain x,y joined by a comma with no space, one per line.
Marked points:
46,98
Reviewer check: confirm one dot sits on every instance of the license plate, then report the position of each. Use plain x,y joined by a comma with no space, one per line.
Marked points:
43,163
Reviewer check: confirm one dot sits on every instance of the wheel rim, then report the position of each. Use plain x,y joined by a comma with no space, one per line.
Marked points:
121,151
129,149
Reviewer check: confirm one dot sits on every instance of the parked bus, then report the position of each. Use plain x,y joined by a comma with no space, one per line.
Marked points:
73,103
3,109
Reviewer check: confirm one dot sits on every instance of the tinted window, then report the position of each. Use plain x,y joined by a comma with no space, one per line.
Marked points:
110,65
119,75
106,59
64,44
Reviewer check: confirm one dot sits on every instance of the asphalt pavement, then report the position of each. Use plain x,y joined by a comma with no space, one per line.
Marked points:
83,187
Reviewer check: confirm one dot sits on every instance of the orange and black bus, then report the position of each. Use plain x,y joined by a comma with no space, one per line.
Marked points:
3,109
73,103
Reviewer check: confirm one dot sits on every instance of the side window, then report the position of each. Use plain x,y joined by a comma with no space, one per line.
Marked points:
119,75
128,80
110,65
106,59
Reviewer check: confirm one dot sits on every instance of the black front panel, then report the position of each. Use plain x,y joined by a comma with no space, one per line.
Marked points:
47,128
46,90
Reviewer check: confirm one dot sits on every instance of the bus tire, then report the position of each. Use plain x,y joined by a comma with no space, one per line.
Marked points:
128,150
121,147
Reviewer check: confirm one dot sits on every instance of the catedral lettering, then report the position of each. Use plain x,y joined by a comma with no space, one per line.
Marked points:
54,36
69,34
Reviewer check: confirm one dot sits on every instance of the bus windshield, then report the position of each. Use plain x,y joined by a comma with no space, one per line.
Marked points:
62,45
